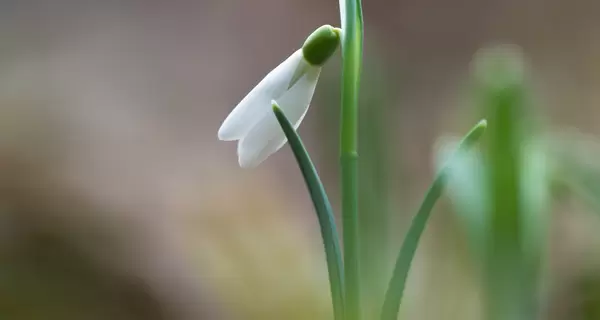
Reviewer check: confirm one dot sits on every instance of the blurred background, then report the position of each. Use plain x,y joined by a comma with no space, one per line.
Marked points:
117,201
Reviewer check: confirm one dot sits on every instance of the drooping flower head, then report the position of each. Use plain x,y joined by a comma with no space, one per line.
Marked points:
291,85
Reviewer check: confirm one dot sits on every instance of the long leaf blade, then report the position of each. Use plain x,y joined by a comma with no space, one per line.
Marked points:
323,210
393,297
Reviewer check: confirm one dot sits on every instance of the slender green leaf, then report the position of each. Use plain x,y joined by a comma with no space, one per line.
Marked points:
323,210
393,297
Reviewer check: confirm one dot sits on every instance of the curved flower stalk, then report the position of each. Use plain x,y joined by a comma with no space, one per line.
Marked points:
291,85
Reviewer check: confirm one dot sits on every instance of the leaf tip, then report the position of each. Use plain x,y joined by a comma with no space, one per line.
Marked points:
275,106
482,125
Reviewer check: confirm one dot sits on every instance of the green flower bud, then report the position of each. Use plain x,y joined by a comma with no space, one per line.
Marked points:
500,67
321,45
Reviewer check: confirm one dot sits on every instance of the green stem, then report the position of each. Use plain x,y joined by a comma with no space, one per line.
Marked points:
323,210
509,279
352,45
393,297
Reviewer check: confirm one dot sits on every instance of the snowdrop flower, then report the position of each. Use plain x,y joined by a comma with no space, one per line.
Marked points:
343,12
291,85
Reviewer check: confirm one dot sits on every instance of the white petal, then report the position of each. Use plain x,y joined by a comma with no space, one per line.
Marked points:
258,101
266,137
342,12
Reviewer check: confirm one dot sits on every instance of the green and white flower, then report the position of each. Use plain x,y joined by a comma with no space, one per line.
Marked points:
291,85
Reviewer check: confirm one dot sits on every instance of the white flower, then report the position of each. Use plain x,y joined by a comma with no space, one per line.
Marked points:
291,85
343,12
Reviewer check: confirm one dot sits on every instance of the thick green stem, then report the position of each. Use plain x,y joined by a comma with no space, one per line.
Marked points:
324,213
510,274
352,44
351,235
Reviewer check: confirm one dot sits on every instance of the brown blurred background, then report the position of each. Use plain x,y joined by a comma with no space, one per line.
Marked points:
117,201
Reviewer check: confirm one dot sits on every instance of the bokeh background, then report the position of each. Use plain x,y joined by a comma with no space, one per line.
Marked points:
117,201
